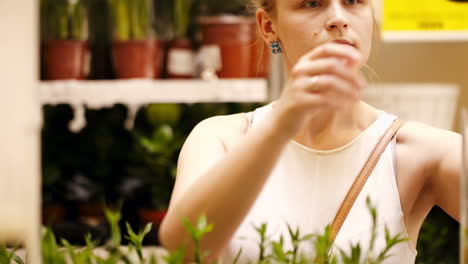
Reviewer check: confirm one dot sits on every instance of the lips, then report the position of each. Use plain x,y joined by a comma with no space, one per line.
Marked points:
344,41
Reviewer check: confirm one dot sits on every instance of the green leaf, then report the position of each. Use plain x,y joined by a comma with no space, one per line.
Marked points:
18,260
278,251
79,20
323,245
120,19
175,257
50,250
189,227
113,218
137,239
262,230
236,259
197,232
355,256
132,19
182,9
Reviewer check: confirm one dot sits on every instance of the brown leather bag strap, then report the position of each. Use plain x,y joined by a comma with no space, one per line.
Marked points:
362,178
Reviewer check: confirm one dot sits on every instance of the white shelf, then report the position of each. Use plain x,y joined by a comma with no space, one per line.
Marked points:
425,36
136,93
97,94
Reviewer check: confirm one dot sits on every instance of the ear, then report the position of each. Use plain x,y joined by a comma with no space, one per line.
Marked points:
265,23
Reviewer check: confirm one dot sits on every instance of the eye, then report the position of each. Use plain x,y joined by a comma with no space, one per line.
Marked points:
351,2
312,4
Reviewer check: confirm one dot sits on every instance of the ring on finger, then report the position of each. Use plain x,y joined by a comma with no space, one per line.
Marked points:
314,83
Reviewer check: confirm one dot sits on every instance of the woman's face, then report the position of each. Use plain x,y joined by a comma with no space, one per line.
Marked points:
302,25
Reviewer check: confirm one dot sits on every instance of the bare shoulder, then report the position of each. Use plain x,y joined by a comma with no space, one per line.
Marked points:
227,128
429,157
209,141
438,153
423,137
237,122
427,145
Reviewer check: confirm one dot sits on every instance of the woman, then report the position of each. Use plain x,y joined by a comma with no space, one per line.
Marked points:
294,160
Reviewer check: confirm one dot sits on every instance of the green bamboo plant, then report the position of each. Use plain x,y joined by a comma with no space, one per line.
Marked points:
8,256
64,19
197,232
183,10
51,252
131,19
271,252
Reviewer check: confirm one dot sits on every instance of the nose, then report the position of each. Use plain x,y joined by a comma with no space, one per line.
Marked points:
337,17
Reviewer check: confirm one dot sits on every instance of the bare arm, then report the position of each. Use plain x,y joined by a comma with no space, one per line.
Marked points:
446,179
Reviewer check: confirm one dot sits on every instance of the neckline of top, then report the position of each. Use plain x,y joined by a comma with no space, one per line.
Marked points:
379,119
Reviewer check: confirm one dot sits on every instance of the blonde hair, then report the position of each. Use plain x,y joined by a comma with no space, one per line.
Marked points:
268,5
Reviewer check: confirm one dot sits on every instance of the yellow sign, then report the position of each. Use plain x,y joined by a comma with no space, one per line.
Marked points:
425,15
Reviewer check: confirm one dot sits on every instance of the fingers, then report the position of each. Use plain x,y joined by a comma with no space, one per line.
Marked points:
332,66
334,90
326,77
346,52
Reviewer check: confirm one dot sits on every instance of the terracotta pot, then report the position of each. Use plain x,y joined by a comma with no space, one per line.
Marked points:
260,65
134,58
92,212
158,57
53,214
180,59
66,59
152,216
234,35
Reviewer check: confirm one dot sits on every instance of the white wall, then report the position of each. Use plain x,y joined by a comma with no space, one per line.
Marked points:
20,126
424,62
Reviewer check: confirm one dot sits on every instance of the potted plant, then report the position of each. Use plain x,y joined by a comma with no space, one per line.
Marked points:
229,31
89,198
181,55
157,154
157,173
57,165
133,44
164,28
105,145
99,40
53,210
64,35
